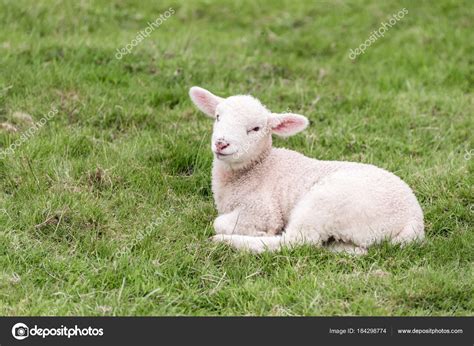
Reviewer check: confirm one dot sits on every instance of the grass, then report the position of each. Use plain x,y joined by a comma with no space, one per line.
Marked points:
124,165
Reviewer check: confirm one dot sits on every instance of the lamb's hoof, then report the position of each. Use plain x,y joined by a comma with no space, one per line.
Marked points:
219,238
351,249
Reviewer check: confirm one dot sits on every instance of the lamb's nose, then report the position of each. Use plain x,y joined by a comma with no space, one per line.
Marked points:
221,145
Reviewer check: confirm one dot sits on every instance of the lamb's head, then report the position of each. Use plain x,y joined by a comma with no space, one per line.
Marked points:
243,127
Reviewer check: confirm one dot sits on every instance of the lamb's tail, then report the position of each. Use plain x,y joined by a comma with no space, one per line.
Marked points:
254,244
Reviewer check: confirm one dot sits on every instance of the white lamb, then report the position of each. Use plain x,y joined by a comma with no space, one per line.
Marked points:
268,197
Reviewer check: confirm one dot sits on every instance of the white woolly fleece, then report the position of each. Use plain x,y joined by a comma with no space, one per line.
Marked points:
272,197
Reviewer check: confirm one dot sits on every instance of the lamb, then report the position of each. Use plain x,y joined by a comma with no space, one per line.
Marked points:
268,198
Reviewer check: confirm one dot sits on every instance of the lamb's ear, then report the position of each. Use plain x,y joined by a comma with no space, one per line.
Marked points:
205,100
287,124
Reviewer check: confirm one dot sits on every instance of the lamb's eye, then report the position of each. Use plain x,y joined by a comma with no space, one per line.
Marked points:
255,129
217,117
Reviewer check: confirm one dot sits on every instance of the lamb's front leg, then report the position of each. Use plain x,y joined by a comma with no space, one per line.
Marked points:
252,244
235,222
227,223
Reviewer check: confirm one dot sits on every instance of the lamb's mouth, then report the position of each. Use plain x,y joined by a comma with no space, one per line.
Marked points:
221,155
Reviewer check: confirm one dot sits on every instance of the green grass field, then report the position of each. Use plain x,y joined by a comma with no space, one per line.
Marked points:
107,208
